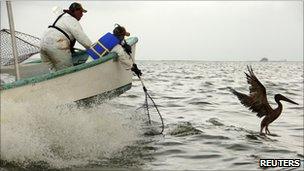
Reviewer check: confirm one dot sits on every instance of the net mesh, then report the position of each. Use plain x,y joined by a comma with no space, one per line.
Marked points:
150,109
27,46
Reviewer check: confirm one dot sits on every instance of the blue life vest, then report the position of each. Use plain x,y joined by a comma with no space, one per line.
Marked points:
103,46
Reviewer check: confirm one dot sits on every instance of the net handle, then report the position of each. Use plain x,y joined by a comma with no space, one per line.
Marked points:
148,95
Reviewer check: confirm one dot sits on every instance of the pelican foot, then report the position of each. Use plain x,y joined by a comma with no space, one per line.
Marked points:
274,135
263,134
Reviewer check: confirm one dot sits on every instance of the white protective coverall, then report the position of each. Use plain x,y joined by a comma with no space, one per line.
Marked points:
125,60
55,46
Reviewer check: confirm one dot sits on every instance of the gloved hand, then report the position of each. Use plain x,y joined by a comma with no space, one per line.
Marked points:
136,70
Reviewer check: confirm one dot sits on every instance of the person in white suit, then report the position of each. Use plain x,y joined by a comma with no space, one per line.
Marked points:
124,50
57,43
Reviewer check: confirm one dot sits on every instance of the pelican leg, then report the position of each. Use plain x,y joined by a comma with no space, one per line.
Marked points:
261,130
267,130
263,125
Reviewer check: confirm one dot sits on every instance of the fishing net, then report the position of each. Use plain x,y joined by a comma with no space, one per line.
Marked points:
27,46
150,109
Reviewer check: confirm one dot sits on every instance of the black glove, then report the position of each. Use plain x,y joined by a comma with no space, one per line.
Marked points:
127,48
136,70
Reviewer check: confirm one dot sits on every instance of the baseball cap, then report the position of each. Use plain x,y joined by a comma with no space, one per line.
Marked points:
120,31
76,6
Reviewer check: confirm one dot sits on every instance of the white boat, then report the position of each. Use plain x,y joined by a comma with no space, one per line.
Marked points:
103,78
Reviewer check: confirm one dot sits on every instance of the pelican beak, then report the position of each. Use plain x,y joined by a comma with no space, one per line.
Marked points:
288,100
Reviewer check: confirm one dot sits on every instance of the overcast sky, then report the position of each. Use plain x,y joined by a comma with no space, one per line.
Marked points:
182,30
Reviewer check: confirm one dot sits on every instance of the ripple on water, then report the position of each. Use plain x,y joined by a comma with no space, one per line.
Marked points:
170,143
177,84
239,147
132,96
229,159
291,93
184,129
174,97
277,151
211,137
296,107
203,156
300,155
207,83
243,163
173,105
198,77
228,80
215,122
205,91
169,152
200,103
180,117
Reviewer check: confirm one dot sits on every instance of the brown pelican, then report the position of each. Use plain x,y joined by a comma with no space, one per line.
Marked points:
257,102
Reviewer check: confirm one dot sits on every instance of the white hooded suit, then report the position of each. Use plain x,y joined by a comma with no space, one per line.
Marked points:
55,46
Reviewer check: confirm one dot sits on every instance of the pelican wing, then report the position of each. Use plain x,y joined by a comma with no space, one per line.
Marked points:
256,101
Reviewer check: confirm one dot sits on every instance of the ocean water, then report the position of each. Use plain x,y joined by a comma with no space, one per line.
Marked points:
206,127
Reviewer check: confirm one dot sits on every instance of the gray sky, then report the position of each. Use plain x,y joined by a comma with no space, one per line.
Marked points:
182,30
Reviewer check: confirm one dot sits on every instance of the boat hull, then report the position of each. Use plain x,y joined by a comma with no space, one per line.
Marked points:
72,87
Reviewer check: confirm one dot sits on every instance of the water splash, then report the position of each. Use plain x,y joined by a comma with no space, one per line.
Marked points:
65,136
